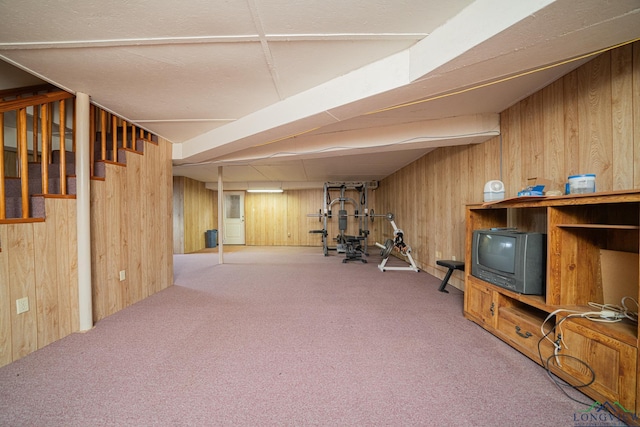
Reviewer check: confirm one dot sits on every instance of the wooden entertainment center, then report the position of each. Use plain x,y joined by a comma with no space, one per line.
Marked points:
581,230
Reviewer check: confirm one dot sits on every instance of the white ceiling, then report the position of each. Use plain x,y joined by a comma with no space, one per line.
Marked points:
296,93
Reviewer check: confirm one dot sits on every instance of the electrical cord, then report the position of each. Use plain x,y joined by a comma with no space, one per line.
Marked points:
607,313
631,315
560,383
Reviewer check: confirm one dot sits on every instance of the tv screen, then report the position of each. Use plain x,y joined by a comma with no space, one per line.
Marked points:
509,258
497,252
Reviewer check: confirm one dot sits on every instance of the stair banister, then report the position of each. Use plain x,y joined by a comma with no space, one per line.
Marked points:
34,143
45,159
92,135
114,137
124,138
62,125
3,206
24,160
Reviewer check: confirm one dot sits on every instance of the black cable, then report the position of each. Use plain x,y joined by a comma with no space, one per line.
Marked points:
555,378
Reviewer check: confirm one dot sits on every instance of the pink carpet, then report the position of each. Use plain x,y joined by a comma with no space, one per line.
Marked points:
284,337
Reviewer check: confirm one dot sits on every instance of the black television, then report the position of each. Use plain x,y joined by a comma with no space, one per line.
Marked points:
511,259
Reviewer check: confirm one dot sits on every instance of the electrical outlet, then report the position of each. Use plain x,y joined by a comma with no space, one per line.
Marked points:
453,257
438,255
22,305
123,275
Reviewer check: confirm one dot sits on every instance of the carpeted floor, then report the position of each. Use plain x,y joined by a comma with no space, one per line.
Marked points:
284,337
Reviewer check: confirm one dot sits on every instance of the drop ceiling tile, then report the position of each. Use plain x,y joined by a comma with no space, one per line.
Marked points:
163,82
106,20
355,16
302,65
285,171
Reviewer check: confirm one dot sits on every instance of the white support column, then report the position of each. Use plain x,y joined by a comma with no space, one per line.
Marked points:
220,217
83,198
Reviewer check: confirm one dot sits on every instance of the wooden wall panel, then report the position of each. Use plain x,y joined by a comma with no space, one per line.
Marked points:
152,212
511,149
586,122
636,114
595,128
163,222
132,230
553,132
64,227
265,219
178,214
47,307
532,135
281,219
22,283
56,272
135,239
100,292
195,212
571,142
113,237
6,305
622,117
301,203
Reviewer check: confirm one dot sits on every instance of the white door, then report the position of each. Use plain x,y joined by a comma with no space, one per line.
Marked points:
233,218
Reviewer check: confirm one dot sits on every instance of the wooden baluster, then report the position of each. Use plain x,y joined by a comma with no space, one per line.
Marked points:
73,127
50,123
124,134
3,206
62,126
92,136
134,145
114,137
35,133
24,160
103,135
46,147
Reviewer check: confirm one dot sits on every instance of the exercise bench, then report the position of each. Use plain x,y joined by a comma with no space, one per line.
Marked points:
451,265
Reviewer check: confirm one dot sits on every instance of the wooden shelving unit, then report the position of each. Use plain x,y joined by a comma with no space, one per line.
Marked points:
578,229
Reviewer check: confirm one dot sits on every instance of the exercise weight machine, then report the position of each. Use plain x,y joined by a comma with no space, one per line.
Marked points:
353,245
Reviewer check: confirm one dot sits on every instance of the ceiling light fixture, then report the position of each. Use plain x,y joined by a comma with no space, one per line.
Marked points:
265,190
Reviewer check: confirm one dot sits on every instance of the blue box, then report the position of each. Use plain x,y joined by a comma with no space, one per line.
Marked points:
535,190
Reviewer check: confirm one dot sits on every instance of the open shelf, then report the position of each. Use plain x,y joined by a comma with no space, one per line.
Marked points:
600,226
593,247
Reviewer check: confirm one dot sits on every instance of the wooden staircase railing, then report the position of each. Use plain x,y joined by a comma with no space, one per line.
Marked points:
49,109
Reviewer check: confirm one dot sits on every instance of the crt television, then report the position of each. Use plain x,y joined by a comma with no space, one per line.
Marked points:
510,259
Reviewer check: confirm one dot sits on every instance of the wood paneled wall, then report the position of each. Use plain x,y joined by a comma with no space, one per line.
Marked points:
38,260
586,122
195,210
280,219
132,230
